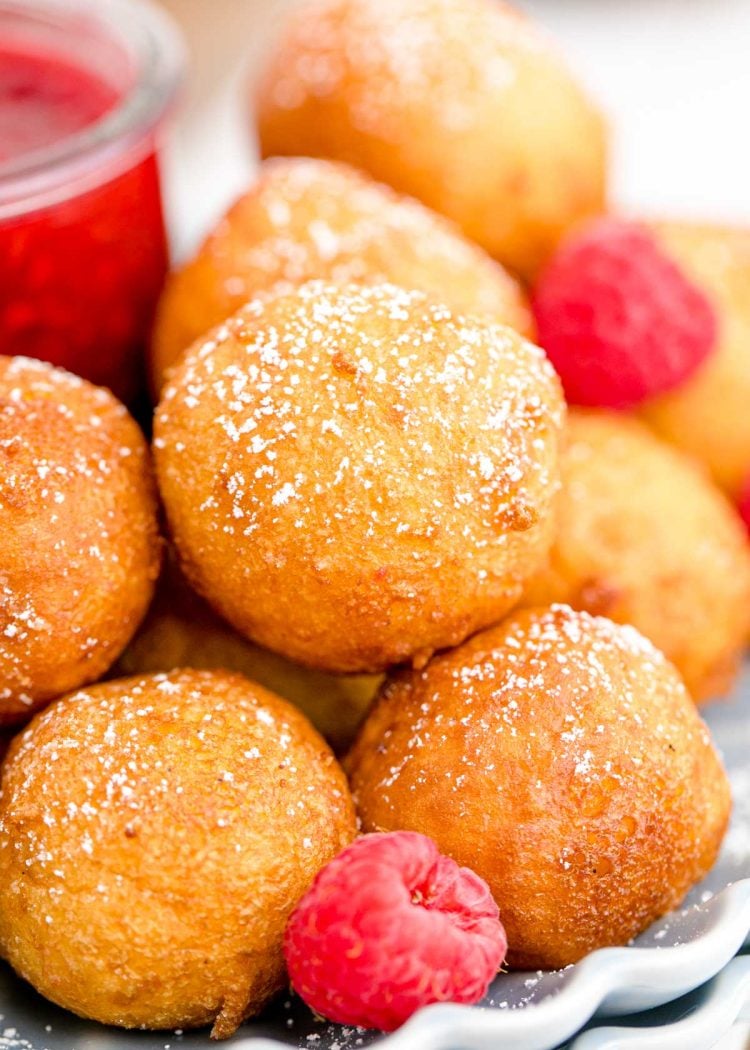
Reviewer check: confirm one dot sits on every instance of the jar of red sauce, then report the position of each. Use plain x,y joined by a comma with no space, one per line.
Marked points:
85,86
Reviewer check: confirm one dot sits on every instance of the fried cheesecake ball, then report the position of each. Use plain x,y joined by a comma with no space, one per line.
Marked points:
560,757
707,415
644,537
355,476
463,104
80,550
181,630
155,834
306,219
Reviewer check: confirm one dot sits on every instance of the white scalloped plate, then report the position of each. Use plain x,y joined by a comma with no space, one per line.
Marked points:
697,1020
523,1011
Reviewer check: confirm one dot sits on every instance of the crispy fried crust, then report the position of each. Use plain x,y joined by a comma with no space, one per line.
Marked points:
644,537
355,477
460,103
181,630
80,549
306,219
708,416
155,834
560,757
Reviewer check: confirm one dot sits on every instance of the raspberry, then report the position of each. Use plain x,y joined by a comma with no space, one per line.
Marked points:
618,318
391,925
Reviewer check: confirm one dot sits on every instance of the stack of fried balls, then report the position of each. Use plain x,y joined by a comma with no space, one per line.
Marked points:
369,526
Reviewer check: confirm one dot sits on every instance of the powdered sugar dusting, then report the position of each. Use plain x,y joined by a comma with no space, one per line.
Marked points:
74,474
123,740
384,57
636,558
309,218
312,219
563,655
367,392
574,745
11,1040
127,755
424,439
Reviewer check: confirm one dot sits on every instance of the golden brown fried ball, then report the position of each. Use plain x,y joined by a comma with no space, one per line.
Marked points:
180,630
645,538
560,757
463,104
155,834
708,415
355,476
80,551
309,218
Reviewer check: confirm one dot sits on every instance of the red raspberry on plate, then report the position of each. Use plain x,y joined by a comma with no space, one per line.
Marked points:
388,926
618,318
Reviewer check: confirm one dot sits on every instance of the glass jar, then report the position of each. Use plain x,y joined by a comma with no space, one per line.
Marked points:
83,250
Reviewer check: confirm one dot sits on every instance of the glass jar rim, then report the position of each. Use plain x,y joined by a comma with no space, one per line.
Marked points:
106,147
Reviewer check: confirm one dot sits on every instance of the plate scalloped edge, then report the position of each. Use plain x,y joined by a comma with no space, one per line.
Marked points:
608,981
702,1018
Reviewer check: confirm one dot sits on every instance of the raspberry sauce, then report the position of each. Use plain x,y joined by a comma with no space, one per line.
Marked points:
44,99
80,268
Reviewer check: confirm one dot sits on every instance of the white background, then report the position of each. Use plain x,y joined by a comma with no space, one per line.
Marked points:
673,76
